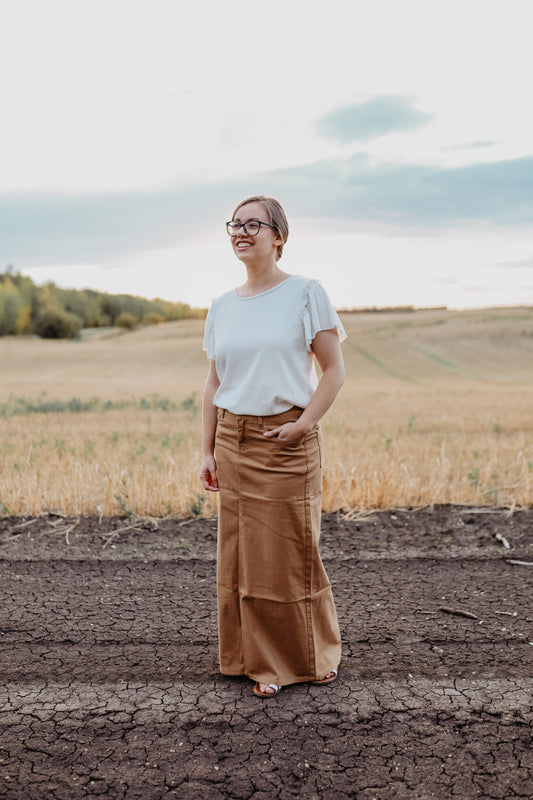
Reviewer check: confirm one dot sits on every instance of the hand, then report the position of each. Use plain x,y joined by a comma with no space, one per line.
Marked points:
290,432
208,474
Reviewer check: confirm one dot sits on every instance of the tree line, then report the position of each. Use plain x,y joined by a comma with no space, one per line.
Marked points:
53,313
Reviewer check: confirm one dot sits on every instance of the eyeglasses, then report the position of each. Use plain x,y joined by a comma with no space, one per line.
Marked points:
250,228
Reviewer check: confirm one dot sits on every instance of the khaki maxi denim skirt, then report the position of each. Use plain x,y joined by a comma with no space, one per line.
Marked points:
276,614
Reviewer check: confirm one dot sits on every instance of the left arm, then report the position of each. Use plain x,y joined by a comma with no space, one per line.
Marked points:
327,349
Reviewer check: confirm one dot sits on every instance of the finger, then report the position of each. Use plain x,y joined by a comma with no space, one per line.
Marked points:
209,486
208,479
274,432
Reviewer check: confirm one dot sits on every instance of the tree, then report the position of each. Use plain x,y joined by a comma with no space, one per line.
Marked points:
10,306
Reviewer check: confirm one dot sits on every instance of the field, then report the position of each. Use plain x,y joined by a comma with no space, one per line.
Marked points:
437,408
108,654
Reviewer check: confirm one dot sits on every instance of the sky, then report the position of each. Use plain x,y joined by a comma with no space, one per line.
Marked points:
397,135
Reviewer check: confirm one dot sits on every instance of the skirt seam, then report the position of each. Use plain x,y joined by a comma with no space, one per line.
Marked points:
308,567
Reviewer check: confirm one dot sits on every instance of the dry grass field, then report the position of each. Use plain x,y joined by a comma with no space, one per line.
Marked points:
437,408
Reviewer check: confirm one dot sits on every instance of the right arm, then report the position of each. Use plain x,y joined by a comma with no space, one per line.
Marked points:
208,468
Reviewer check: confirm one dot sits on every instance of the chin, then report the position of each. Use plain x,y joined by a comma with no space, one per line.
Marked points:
242,254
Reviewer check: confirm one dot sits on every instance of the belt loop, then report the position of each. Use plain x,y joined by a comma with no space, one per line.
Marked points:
260,421
223,410
241,430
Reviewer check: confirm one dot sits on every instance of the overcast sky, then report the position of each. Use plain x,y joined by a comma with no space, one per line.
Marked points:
398,136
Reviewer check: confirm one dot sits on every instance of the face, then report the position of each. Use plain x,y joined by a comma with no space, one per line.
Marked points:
261,246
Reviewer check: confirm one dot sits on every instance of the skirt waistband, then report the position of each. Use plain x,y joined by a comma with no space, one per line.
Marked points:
291,414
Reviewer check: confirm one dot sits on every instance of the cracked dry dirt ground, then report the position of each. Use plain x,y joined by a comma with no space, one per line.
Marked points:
110,686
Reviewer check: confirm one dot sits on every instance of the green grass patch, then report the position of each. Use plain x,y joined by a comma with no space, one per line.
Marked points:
20,406
374,360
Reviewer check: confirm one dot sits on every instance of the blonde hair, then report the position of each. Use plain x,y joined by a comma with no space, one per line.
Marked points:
276,217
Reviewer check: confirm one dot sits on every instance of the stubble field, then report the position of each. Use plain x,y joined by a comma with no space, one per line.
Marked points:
437,408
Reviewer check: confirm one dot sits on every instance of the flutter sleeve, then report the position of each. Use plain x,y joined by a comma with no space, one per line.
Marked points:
319,314
209,332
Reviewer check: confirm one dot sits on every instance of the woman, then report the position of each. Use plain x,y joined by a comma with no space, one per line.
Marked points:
261,407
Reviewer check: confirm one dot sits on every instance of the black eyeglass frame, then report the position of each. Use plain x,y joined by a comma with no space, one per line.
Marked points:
232,227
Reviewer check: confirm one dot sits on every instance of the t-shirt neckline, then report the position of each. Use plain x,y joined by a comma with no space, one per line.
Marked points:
267,291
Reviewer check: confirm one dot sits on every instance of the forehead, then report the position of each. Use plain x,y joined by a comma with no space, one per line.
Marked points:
252,211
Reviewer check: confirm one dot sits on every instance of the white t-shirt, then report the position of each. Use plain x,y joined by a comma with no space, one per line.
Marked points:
261,345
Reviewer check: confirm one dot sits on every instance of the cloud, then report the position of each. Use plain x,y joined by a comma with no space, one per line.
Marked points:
376,117
522,264
63,228
413,197
474,145
60,228
482,287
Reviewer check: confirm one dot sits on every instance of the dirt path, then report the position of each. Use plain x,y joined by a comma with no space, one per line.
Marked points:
110,685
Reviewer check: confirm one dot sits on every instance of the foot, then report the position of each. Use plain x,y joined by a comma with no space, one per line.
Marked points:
266,689
329,678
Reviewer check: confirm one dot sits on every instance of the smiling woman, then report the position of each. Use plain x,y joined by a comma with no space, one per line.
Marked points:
276,220
262,405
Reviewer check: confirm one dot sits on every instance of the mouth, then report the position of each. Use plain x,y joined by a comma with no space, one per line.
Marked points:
242,245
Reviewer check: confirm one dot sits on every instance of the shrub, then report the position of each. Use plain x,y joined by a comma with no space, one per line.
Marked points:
126,320
52,323
153,318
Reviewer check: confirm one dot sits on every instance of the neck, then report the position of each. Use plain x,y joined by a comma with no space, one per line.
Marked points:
259,280
259,275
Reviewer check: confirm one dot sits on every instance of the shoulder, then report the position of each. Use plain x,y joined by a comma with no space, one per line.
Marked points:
220,301
309,290
223,298
313,291
301,280
304,285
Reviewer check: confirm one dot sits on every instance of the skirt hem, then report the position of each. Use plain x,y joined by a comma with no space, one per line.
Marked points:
277,682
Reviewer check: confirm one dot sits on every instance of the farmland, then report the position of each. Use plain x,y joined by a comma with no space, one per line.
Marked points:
437,408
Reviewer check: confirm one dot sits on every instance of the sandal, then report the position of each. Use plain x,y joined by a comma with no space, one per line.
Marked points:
258,693
330,677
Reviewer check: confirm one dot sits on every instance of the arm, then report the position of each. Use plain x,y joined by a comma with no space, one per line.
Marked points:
208,468
327,349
